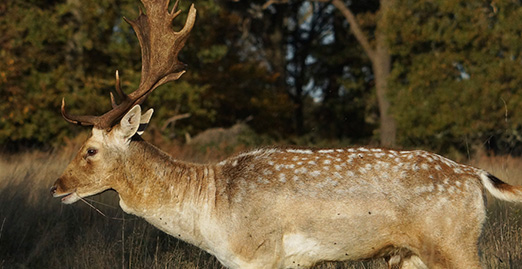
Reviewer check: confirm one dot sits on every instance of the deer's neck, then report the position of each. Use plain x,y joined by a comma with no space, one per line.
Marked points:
174,196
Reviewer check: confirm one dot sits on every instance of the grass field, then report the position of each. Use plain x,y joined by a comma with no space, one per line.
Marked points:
37,231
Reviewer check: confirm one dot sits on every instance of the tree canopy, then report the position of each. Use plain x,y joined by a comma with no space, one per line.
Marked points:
296,68
456,75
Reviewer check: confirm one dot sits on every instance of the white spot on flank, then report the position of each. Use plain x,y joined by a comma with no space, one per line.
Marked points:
311,163
301,151
415,167
262,180
315,173
451,189
379,155
431,187
363,149
252,185
385,165
282,177
301,170
423,189
326,151
327,162
376,150
449,162
440,188
267,172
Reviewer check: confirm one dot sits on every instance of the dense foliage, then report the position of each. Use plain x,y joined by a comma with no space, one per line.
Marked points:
295,68
457,73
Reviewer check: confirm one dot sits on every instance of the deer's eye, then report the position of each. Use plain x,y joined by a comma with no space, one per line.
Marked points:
91,151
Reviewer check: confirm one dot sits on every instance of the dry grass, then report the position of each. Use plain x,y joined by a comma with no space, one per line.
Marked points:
37,231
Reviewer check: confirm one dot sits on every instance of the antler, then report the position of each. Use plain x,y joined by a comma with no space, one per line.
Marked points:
160,46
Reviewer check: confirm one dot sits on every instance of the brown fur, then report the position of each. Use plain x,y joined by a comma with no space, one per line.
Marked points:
285,207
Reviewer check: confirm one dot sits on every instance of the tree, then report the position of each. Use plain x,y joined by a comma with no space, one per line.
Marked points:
377,51
456,76
381,63
238,85
71,49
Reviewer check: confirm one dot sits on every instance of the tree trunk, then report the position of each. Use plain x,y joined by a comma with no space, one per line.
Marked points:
381,63
381,71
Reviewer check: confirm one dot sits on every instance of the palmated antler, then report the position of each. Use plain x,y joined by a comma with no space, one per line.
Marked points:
160,46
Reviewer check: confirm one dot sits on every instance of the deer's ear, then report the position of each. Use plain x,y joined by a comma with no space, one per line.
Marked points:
144,121
129,124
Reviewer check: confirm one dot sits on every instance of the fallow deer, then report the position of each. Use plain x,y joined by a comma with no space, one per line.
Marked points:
279,207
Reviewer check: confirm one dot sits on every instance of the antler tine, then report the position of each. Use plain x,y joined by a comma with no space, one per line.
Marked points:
175,12
160,46
77,119
160,61
113,102
120,93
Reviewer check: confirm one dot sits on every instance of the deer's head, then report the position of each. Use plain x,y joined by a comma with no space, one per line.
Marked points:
93,169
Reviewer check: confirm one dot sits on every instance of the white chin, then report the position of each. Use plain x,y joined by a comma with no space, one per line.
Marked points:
70,198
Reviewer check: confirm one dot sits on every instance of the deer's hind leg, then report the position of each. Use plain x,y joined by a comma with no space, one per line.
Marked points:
453,253
407,262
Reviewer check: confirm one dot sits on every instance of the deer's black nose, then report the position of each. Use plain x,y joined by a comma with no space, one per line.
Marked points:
53,190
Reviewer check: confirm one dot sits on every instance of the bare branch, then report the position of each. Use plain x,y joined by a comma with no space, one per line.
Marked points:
354,26
173,119
271,2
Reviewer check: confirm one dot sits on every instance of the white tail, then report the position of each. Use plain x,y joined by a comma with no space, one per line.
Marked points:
500,189
279,207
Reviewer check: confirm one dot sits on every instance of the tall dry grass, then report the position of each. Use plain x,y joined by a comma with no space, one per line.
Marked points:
37,231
